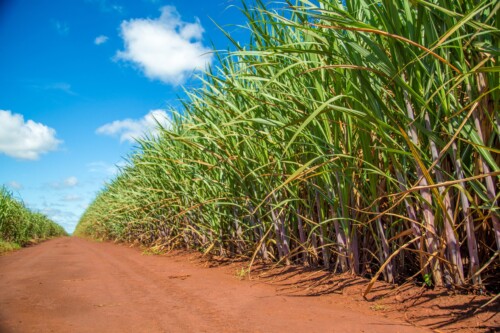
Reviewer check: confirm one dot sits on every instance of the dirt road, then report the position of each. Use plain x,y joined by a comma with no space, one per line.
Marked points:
75,285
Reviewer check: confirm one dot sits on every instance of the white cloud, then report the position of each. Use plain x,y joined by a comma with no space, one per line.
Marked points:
62,28
105,6
71,181
15,185
66,183
100,40
132,129
72,197
117,8
105,168
64,217
25,139
167,48
61,86
57,86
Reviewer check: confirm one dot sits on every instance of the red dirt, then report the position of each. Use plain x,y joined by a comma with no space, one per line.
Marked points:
75,285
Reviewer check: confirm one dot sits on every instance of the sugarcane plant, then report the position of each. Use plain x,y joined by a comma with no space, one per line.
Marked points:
359,137
20,226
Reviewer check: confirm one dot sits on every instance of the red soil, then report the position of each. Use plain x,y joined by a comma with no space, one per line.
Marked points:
75,285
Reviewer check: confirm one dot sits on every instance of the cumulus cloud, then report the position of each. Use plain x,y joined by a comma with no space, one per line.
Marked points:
64,217
25,139
132,129
66,183
167,49
71,181
15,185
100,40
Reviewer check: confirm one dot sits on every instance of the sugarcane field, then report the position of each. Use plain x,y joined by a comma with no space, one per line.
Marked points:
304,166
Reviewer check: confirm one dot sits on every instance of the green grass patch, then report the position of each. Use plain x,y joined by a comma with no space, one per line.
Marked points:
8,246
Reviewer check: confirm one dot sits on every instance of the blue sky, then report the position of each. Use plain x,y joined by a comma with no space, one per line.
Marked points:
80,79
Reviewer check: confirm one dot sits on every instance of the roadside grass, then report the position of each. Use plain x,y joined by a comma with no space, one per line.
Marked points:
8,246
154,251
